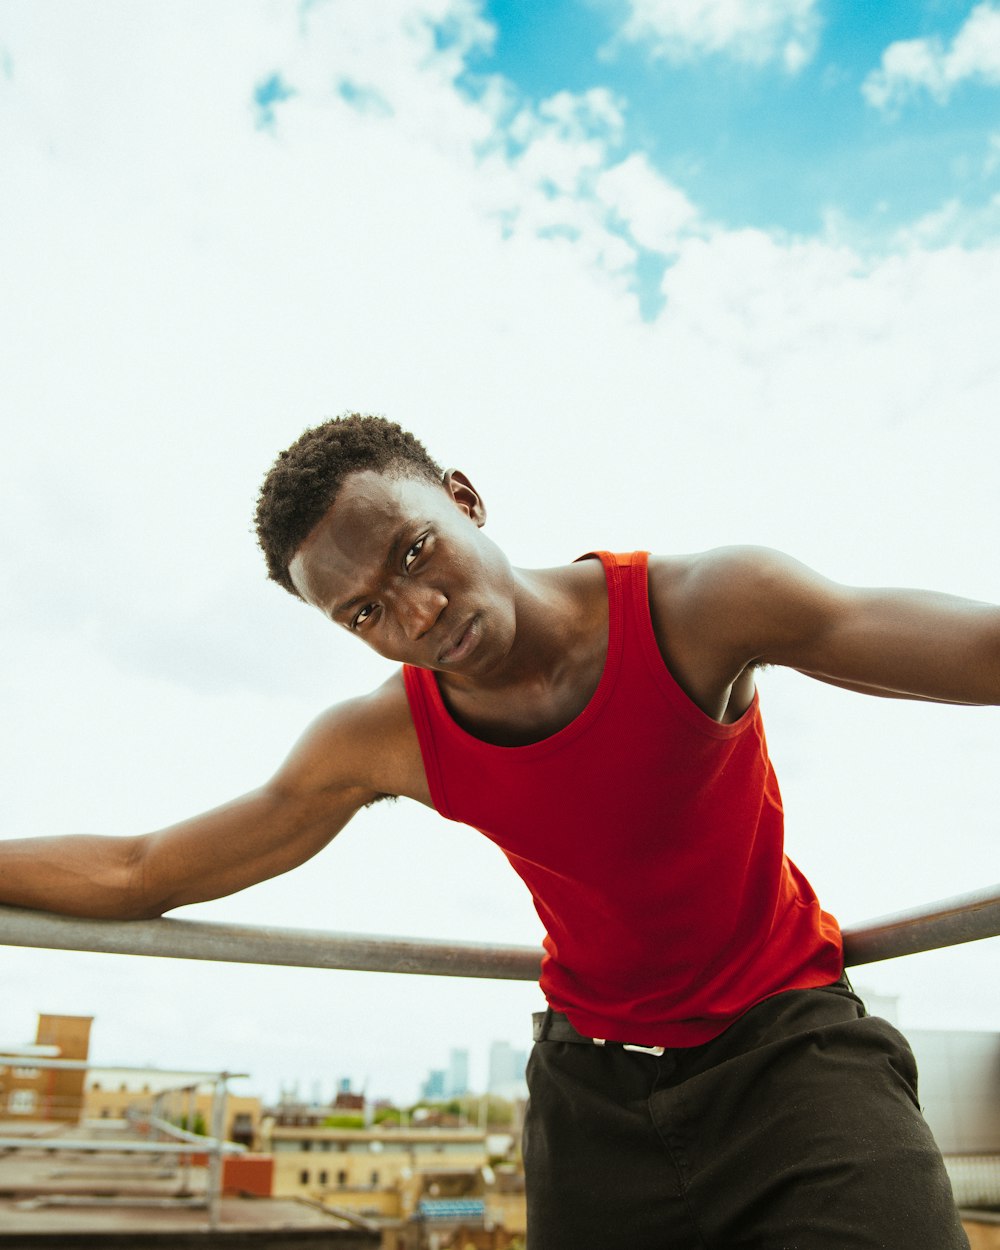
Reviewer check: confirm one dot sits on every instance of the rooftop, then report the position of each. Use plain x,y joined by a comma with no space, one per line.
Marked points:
61,1198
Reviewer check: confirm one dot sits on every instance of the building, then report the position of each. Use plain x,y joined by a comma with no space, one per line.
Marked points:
291,1111
125,1094
47,1093
458,1074
506,1074
450,1082
376,1172
959,1085
435,1085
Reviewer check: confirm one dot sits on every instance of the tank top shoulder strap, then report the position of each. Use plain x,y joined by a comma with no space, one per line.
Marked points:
423,699
630,627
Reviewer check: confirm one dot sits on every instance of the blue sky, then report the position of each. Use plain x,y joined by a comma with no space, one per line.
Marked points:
755,144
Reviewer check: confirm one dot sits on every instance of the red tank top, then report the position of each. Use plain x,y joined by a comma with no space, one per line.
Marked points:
651,839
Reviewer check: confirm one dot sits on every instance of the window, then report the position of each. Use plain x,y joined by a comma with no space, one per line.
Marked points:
374,1179
22,1101
323,1178
307,1145
304,1176
341,1178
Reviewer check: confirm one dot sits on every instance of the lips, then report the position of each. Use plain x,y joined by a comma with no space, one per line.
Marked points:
462,643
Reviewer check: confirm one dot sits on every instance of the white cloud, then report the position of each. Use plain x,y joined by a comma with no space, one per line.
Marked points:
656,213
914,65
565,139
595,110
953,224
754,31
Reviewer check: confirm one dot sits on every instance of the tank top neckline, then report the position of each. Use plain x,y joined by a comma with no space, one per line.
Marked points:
596,702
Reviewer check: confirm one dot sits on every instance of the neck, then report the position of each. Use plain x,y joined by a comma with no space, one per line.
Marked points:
558,613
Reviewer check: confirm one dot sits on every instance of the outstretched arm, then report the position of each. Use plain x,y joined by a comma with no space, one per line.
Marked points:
325,780
743,606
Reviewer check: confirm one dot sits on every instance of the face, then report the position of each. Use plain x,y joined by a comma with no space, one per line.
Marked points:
404,564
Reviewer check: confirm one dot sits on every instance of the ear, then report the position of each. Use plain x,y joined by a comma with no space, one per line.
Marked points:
465,496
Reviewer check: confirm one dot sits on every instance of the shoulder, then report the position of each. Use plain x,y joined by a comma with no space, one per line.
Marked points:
739,599
743,574
367,742
366,718
721,570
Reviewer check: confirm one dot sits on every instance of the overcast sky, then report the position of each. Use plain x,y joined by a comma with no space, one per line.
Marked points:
655,274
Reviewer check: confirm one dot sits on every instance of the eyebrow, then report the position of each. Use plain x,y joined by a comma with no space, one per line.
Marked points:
390,558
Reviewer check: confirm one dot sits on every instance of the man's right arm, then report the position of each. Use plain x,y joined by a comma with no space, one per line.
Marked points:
325,780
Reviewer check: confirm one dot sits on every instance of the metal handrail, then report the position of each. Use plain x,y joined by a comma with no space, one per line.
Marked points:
183,1143
949,922
12,1057
89,1145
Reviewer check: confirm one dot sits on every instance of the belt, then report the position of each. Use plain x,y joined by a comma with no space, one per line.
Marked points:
553,1026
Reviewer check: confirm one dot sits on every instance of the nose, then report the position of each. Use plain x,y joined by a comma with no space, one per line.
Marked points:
419,608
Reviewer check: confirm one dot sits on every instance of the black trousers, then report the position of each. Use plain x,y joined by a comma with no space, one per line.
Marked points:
796,1129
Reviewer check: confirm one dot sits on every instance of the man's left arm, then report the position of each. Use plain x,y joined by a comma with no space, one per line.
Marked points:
905,643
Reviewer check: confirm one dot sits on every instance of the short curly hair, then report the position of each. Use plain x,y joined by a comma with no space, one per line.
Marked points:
303,482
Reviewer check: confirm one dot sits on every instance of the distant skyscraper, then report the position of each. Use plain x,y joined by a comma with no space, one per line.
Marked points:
458,1074
507,1066
434,1086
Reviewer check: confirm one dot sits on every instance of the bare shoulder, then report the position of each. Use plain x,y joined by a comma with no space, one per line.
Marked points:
723,571
728,611
731,580
718,614
366,743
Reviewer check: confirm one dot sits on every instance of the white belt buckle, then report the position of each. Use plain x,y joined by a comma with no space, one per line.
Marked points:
645,1050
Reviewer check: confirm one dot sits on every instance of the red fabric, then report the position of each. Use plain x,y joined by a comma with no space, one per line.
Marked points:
651,839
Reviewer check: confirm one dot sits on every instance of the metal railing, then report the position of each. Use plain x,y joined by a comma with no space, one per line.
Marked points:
157,1136
949,922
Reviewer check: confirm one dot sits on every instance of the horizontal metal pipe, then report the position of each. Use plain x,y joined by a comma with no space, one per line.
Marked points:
949,922
129,1146
13,1059
113,1200
175,1133
258,944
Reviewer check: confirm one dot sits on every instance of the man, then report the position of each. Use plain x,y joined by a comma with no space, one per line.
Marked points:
704,1075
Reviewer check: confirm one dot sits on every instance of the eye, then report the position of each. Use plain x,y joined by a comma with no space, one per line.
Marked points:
413,552
362,615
